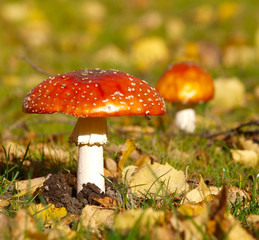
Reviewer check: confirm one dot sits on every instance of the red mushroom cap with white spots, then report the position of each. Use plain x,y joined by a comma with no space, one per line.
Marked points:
94,93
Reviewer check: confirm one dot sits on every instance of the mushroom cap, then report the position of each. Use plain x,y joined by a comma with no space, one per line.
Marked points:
94,93
185,82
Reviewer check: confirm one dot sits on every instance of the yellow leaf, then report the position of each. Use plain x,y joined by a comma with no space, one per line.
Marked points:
149,51
229,93
248,145
190,209
236,231
46,213
94,217
128,219
156,179
197,195
128,148
248,158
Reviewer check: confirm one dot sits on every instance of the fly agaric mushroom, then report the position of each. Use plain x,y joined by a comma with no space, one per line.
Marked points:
92,95
187,84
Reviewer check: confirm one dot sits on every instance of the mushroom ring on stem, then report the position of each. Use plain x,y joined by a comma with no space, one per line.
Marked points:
186,84
92,95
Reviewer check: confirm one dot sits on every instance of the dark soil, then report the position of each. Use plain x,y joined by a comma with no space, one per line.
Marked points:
59,190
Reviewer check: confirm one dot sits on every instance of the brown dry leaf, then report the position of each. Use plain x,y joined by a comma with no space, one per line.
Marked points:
222,223
147,180
234,194
128,148
28,186
94,217
68,219
199,194
249,158
3,203
144,217
106,202
253,220
46,213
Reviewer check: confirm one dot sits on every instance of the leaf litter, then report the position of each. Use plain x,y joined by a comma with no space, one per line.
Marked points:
198,212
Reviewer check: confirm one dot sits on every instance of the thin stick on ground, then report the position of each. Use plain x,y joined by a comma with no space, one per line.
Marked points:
235,131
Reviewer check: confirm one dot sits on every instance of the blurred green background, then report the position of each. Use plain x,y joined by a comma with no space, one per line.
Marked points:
140,37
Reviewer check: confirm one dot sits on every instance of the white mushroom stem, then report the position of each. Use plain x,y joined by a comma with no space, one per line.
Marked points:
185,120
90,134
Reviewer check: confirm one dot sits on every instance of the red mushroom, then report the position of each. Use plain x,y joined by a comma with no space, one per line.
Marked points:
91,95
186,84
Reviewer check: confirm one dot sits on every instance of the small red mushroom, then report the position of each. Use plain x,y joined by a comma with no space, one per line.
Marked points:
185,84
91,95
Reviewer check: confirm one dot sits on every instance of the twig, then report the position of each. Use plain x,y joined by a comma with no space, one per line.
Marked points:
235,131
34,66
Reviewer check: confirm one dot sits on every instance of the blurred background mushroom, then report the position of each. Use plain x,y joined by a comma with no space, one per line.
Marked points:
185,84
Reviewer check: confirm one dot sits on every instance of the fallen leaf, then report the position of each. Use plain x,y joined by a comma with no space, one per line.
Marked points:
234,194
191,228
24,225
229,93
253,220
148,179
144,159
60,231
128,171
249,158
247,144
68,219
110,164
190,209
3,203
236,231
107,202
161,232
5,227
199,194
128,148
28,186
142,217
46,213
94,217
